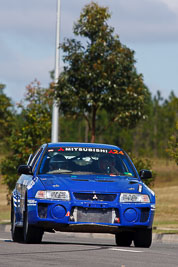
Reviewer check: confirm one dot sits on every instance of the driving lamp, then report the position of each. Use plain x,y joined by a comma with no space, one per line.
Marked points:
137,198
50,194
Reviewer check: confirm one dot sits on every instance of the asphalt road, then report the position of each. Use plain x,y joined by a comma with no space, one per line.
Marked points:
68,250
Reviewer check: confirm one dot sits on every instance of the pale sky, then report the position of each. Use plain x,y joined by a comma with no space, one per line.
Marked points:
27,39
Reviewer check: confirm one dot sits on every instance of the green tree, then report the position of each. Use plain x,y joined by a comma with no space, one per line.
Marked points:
100,74
141,164
173,145
34,129
173,141
151,137
6,115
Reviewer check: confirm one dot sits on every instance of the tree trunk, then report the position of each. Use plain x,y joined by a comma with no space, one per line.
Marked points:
93,125
86,131
93,138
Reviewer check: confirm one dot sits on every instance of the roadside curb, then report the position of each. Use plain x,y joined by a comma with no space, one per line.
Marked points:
5,227
173,238
165,237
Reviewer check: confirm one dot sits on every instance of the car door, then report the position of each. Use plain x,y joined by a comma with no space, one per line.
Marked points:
21,186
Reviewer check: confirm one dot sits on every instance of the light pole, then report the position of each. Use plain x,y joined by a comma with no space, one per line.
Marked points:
55,111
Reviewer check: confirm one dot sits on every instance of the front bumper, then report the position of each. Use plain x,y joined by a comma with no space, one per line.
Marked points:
89,216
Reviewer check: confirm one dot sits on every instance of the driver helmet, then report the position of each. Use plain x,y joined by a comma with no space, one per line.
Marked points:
106,162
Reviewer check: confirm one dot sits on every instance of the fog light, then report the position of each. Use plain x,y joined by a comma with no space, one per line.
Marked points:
58,211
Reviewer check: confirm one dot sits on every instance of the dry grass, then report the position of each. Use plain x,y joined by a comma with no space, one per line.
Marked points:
167,172
4,208
166,190
166,207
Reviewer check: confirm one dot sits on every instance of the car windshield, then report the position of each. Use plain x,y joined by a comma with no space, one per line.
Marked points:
85,160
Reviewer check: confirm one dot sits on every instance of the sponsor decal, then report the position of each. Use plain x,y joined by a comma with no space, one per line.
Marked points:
55,185
95,197
153,207
88,149
132,188
31,184
31,202
114,151
61,149
140,188
68,214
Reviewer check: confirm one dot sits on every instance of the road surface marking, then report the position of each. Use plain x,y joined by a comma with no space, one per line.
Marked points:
126,250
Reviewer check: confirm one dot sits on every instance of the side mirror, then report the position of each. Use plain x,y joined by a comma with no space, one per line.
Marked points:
24,169
145,174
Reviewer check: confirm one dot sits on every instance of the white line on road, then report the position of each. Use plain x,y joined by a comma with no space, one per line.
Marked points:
126,250
5,239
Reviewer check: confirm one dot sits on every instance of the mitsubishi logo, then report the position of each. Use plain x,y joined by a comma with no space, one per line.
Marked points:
95,197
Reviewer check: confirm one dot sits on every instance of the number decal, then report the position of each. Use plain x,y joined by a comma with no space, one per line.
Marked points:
114,151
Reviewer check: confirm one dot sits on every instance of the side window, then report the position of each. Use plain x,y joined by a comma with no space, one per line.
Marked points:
39,154
36,155
29,159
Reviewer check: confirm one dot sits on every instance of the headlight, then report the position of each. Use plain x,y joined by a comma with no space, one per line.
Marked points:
138,198
49,194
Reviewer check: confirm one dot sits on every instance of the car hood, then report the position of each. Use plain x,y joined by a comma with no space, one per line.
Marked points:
83,183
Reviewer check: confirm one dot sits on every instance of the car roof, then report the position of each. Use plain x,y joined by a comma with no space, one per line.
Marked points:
76,144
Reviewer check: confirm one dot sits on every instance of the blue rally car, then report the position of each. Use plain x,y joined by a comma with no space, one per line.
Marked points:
79,187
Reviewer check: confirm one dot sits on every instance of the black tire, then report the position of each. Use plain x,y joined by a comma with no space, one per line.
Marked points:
143,238
16,232
124,239
31,234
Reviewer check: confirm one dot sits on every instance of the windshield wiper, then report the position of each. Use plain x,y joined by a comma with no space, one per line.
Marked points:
83,173
60,171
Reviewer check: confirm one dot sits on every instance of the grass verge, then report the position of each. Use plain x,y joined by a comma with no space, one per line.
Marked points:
166,190
4,208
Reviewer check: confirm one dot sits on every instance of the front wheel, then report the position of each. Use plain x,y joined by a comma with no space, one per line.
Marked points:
31,234
16,232
124,239
143,238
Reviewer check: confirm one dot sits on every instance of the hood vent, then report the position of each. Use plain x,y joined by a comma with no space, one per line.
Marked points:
133,182
104,181
97,180
80,180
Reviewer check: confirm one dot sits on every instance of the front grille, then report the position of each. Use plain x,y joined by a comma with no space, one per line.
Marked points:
93,215
92,196
144,214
